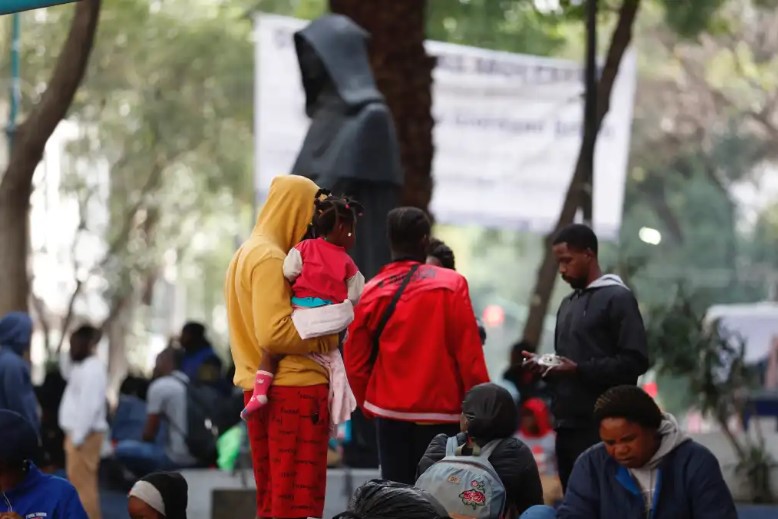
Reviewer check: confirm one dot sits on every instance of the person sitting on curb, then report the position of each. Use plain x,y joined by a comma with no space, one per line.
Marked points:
644,467
159,495
26,491
489,413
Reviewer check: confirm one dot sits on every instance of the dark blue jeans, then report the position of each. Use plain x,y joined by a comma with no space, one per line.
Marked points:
401,446
538,512
142,458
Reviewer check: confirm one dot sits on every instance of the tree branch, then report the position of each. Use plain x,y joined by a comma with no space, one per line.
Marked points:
32,134
43,319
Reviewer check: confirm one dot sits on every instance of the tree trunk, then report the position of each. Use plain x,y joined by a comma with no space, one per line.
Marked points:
544,285
117,327
29,142
403,73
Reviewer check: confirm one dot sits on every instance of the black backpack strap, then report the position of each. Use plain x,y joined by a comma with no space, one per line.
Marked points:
389,311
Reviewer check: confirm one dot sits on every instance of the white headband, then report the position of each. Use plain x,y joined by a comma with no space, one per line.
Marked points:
149,494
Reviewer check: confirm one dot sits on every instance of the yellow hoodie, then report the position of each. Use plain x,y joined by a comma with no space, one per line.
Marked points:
258,296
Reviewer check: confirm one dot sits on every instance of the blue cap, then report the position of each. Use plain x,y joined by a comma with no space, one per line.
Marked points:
18,438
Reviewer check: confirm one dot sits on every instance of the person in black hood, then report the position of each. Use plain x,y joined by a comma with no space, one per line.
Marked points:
489,413
600,338
160,495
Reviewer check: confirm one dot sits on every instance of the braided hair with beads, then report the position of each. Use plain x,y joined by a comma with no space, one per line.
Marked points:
332,211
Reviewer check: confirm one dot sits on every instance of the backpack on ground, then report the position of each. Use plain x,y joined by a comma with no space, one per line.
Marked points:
202,412
466,486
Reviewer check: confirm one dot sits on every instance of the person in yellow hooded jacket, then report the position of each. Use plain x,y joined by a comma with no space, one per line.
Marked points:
289,435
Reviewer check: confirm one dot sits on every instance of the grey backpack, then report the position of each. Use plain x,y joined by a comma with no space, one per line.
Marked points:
466,485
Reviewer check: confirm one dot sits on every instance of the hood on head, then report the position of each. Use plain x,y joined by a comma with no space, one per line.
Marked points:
288,210
538,408
18,438
491,413
608,280
173,490
16,331
672,436
332,53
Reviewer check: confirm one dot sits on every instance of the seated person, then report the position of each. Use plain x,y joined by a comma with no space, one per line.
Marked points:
26,491
537,433
129,419
644,467
161,495
166,410
380,499
200,363
489,413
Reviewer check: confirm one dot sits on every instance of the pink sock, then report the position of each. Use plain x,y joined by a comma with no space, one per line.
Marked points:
259,398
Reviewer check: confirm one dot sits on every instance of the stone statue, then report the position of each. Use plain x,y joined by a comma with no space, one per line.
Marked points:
351,146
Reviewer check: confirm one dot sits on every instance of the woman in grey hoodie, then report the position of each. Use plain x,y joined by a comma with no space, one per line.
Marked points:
645,467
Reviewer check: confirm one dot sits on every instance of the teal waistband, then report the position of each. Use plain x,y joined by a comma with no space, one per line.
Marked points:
310,302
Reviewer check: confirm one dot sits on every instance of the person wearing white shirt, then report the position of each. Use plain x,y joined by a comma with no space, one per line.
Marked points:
82,415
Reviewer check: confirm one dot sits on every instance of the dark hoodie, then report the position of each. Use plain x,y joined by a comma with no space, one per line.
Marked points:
16,390
165,492
491,414
38,494
599,328
682,479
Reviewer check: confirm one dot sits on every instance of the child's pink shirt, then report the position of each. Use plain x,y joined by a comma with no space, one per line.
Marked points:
320,269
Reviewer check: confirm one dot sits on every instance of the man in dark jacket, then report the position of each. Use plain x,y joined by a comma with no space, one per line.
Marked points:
600,337
16,391
489,413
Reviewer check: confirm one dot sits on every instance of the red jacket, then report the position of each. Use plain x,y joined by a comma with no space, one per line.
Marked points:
430,353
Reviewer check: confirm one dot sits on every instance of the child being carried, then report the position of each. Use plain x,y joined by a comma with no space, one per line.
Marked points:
326,283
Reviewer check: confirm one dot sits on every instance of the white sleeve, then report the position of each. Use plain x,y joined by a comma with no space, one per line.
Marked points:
356,284
293,265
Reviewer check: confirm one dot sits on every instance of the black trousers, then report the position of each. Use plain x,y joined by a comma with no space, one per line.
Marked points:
401,446
571,443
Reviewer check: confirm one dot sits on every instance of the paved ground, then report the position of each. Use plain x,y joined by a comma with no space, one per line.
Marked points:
340,485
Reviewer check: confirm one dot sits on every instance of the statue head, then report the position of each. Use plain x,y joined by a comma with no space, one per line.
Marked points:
332,53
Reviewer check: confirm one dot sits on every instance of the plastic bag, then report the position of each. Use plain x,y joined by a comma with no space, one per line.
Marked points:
229,445
379,499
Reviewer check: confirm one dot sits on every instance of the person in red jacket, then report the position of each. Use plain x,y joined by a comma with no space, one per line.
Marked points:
413,350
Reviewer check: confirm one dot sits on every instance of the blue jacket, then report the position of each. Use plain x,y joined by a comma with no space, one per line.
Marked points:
689,485
44,496
16,391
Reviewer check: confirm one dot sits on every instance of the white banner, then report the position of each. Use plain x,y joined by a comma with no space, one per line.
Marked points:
507,132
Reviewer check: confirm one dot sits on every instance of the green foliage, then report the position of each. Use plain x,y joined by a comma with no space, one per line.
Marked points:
691,17
510,25
167,104
711,359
